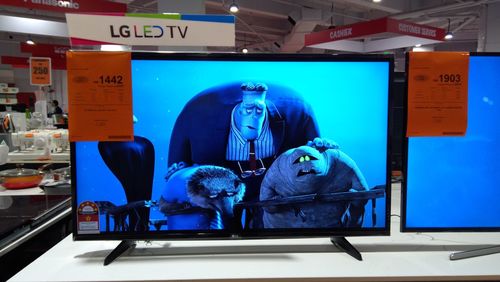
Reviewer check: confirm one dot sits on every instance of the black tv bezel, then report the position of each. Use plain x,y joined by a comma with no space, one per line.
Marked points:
404,194
260,233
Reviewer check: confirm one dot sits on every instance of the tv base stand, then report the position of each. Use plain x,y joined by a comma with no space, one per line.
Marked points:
339,242
475,253
119,250
344,245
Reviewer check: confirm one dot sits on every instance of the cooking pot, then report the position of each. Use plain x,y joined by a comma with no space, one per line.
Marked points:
20,178
62,174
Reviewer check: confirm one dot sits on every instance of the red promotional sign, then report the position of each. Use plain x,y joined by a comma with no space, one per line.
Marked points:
68,6
347,31
373,27
45,50
23,62
413,29
56,52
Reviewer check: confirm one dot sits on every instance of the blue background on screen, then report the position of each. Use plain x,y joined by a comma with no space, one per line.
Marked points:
349,100
454,182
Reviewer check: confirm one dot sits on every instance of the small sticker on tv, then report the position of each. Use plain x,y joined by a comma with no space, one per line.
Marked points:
88,218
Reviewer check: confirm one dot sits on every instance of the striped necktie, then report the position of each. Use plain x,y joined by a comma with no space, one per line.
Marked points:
251,157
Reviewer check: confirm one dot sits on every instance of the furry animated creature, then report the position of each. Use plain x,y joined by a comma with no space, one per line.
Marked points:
201,197
305,171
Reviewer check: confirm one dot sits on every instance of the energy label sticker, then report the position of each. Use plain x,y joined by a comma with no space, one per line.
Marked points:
88,218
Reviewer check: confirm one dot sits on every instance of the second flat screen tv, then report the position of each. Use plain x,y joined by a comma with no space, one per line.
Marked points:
453,183
249,146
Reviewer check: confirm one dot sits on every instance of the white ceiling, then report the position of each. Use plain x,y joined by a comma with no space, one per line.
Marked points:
265,26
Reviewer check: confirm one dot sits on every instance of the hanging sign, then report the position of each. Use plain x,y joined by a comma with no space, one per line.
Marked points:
437,93
384,34
100,96
41,71
151,29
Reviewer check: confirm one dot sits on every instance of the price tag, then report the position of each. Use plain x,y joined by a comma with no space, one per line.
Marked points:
100,96
437,93
41,71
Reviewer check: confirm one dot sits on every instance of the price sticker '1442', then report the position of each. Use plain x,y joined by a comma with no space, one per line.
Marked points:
111,79
100,96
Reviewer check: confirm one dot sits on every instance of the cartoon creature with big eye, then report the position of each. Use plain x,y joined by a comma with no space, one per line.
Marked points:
305,171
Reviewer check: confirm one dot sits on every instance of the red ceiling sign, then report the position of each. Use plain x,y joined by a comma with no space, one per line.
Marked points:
45,50
56,52
23,62
346,32
381,31
68,6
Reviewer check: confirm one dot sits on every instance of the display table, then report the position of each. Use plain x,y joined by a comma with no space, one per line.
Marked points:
399,257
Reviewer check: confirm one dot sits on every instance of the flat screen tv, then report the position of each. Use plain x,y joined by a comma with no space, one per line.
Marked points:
242,146
452,183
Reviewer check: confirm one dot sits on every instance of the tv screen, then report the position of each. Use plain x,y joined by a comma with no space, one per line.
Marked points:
231,145
452,182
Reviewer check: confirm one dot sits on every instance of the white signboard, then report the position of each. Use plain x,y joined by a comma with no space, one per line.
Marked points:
152,29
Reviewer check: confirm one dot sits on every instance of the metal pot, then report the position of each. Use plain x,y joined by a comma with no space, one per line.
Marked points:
62,174
20,178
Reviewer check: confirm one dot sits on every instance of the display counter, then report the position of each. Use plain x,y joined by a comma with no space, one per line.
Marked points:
31,222
27,212
399,257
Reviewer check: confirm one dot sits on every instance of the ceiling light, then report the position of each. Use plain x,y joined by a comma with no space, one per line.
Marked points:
244,50
449,34
30,41
418,45
113,47
233,8
377,1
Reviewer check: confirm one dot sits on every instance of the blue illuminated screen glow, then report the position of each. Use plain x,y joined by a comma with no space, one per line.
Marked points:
453,182
347,100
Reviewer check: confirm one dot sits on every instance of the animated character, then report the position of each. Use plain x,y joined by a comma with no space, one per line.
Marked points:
306,171
242,127
201,197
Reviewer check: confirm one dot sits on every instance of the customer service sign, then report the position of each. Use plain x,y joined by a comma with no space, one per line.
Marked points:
151,29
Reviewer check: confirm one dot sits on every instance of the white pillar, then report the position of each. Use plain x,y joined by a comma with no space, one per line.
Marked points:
489,28
182,7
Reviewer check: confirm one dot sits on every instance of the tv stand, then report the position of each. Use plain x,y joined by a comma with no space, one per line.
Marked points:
339,242
119,250
475,253
344,245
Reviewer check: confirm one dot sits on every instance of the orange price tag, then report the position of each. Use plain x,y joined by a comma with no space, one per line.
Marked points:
41,71
437,93
100,96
